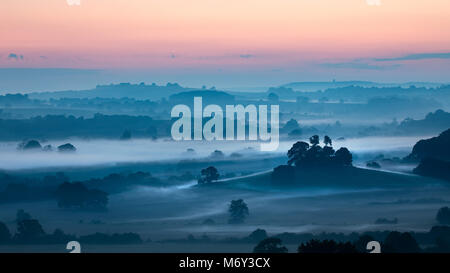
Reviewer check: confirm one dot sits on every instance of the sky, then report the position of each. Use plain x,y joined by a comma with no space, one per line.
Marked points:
225,43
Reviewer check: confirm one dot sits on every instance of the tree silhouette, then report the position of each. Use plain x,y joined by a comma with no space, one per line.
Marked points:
397,242
270,245
303,155
238,210
314,140
66,148
327,141
5,235
208,175
343,157
297,153
29,145
327,151
29,231
257,236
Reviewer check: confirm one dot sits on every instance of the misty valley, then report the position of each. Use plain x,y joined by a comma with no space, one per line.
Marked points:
354,163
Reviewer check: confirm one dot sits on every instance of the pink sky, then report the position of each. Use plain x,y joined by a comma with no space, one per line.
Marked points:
231,34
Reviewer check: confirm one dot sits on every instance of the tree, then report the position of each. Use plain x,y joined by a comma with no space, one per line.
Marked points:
297,153
217,154
328,151
238,210
67,148
314,140
443,216
208,175
270,245
397,242
343,157
29,231
5,235
257,236
327,141
30,145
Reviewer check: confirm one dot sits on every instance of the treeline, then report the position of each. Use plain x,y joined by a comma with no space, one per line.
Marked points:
434,122
30,231
99,126
358,93
437,239
90,194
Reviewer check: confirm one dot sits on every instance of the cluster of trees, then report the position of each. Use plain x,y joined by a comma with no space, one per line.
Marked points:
303,154
306,156
270,245
36,145
438,240
208,175
433,122
395,242
92,191
68,195
30,231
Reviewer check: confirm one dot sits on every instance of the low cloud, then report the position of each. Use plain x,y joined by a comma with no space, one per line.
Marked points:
227,56
418,56
246,56
357,66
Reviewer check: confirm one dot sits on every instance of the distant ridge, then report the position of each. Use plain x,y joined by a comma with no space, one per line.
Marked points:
322,85
139,91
